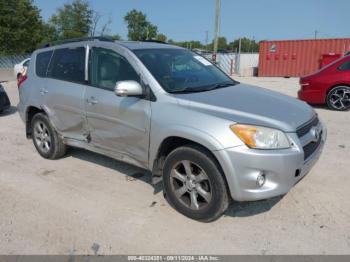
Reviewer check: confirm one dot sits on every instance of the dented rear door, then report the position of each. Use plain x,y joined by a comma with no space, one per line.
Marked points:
64,92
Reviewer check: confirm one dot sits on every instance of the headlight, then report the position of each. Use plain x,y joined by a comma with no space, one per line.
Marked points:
261,137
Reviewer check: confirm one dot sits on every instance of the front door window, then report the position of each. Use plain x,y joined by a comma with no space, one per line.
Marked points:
108,67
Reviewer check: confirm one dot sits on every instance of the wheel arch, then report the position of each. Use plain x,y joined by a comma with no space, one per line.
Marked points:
168,145
30,113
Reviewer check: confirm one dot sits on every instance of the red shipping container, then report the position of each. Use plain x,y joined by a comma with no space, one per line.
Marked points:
329,58
297,58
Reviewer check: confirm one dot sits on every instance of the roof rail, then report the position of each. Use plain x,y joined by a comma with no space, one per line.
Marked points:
73,40
155,41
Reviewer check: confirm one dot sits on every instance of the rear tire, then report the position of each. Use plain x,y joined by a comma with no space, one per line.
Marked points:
45,138
194,184
339,98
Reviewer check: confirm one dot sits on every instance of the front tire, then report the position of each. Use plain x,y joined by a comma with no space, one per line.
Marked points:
339,98
194,184
45,138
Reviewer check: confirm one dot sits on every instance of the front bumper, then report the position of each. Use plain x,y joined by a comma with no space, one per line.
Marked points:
282,168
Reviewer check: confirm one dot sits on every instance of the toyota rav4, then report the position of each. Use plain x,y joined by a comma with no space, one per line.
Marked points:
207,137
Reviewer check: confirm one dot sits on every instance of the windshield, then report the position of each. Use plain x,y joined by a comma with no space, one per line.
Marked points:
180,71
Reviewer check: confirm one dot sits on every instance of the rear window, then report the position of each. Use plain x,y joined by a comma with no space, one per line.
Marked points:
68,64
345,66
42,62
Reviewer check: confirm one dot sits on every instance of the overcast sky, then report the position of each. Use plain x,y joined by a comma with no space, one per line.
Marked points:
263,19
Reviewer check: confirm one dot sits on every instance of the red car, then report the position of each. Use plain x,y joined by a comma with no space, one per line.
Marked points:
330,85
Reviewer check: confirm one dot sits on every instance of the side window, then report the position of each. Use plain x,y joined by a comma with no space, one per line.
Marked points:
42,62
68,64
108,67
345,66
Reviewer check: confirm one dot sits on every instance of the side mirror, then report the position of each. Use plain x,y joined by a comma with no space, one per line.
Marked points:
128,88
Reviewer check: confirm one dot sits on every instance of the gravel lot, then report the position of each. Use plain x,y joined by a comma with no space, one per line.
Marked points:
90,204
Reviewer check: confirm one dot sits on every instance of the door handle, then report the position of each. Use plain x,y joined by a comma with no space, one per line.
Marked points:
43,91
92,101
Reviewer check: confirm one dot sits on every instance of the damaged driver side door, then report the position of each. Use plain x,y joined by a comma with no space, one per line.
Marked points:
118,125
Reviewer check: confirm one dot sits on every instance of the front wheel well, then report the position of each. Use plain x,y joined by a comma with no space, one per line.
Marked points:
31,112
170,144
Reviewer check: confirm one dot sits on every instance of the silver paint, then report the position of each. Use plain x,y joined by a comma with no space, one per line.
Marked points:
132,129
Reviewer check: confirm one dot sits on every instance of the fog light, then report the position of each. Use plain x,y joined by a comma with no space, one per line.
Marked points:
260,180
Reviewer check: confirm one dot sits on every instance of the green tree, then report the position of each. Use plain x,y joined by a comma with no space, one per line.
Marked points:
116,37
21,27
161,37
49,34
98,26
187,44
139,28
73,20
222,44
247,45
194,44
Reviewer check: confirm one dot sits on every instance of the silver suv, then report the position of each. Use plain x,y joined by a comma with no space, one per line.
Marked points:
208,138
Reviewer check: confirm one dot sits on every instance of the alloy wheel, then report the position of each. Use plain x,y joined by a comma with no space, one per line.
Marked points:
42,137
340,98
191,185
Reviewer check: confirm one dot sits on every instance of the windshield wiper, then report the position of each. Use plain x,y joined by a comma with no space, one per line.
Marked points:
222,85
204,88
190,90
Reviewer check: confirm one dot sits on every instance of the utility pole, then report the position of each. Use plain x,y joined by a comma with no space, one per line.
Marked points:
217,25
206,39
316,33
239,56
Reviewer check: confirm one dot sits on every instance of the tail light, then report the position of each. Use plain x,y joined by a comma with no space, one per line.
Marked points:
304,82
21,80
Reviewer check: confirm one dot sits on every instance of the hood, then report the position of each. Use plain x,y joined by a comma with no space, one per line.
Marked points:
251,105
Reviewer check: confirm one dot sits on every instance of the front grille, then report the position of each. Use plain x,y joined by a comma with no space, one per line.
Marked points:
311,147
304,129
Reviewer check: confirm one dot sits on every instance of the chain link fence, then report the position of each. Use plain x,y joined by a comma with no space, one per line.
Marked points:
234,64
8,62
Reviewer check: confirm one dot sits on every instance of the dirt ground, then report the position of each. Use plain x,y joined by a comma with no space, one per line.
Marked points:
90,204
